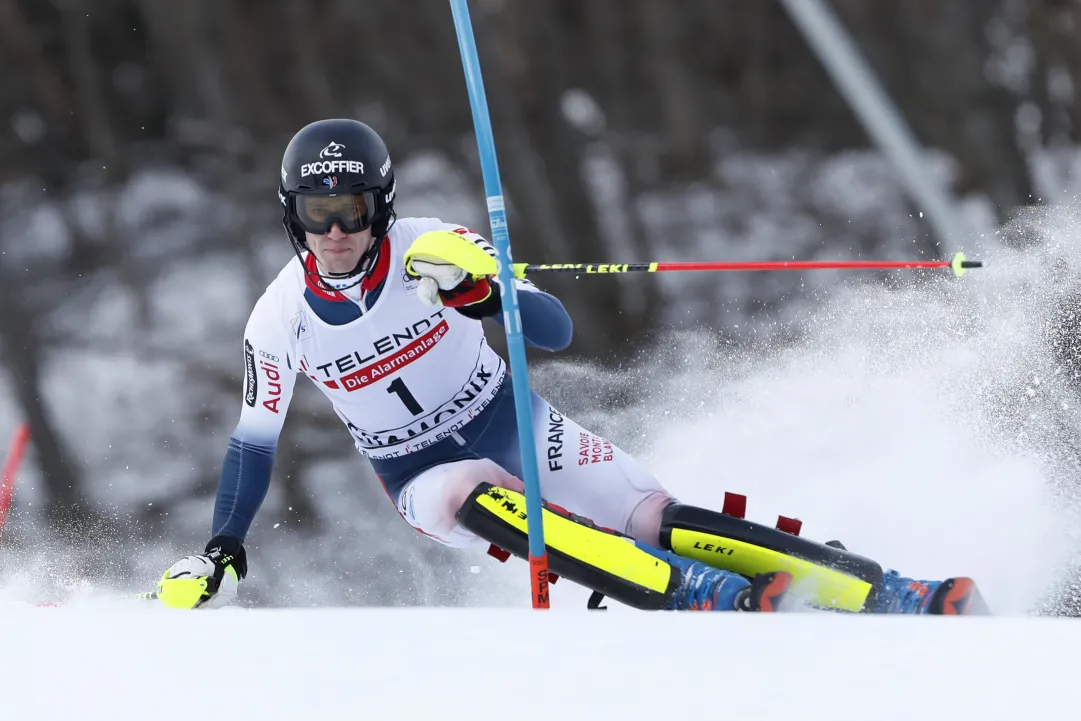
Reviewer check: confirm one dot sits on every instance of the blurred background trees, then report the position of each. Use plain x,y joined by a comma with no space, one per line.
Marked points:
140,222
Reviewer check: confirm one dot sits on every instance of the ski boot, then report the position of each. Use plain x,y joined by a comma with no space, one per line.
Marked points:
705,588
953,597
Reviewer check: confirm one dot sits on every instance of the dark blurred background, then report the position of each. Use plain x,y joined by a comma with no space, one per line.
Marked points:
139,220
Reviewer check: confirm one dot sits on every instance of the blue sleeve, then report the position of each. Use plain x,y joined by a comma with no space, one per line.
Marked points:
245,479
269,379
546,324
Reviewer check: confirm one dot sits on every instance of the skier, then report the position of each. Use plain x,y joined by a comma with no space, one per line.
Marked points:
384,315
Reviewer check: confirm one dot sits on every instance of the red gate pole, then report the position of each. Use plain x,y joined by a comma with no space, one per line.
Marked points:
11,467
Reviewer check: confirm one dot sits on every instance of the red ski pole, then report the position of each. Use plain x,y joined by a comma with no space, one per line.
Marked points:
959,265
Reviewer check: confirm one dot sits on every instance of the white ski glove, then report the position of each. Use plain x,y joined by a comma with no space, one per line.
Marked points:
206,581
435,276
453,270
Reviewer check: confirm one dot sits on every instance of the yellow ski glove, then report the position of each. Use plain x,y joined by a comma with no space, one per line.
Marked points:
453,270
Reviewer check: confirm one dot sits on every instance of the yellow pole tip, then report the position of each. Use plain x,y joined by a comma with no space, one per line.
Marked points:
958,264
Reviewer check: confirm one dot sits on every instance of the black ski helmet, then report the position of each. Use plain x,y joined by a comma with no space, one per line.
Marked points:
338,157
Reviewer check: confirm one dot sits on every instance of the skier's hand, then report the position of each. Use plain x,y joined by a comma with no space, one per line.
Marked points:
206,581
453,270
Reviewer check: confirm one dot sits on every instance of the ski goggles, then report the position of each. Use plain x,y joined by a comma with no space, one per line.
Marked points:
318,213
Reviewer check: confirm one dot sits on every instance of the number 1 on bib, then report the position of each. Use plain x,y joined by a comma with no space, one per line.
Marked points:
398,386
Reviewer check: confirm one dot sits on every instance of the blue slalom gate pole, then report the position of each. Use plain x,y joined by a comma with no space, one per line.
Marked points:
512,319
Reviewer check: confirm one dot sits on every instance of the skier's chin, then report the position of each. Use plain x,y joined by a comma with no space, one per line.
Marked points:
338,262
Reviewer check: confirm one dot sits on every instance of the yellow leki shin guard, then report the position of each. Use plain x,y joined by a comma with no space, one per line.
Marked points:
604,561
825,576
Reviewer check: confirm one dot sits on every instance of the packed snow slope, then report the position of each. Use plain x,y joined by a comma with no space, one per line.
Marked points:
119,663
